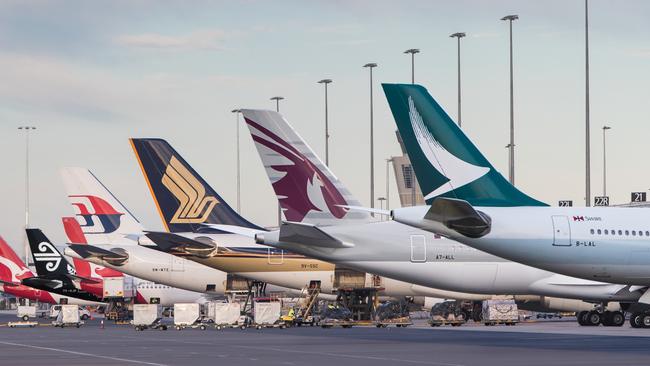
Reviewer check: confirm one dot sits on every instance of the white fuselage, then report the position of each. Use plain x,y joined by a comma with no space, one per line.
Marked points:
596,243
412,255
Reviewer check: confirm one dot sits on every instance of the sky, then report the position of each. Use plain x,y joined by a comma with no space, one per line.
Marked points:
91,74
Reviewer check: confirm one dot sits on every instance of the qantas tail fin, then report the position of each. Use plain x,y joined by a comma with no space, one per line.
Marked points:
306,189
185,201
48,260
12,269
445,161
102,217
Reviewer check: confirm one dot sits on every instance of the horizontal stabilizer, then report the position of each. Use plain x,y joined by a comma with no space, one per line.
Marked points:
294,232
8,283
239,230
42,283
459,216
377,211
91,251
84,279
168,242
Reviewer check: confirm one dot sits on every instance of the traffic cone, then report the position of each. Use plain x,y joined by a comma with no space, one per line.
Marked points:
102,324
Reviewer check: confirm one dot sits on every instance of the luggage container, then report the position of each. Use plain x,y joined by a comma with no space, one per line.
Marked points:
224,314
188,315
267,314
500,312
148,316
447,313
392,313
68,317
25,312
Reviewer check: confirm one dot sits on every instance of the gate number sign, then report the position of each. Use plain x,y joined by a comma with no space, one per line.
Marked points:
565,203
601,201
638,197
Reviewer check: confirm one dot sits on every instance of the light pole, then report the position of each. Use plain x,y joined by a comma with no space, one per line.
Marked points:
412,51
237,111
327,133
381,202
511,165
25,243
370,66
388,161
587,137
605,128
277,109
458,35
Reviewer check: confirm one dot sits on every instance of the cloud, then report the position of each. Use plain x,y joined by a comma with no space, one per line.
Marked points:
198,40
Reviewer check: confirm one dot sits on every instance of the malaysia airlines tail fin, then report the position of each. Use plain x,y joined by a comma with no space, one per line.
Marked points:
185,201
102,217
12,268
47,259
83,268
445,161
307,190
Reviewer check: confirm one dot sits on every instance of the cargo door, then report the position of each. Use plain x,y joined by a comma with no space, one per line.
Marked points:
418,248
275,256
561,231
178,264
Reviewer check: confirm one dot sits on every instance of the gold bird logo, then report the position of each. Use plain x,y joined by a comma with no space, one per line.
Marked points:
195,206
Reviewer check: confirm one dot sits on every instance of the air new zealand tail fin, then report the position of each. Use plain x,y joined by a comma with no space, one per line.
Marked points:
48,260
307,190
186,203
445,161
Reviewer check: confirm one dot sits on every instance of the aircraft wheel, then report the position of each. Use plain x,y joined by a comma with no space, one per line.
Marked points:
581,317
617,318
645,320
593,318
606,319
635,320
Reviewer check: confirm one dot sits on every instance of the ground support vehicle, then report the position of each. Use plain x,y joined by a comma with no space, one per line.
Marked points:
148,316
266,314
188,315
447,313
401,322
25,312
23,324
500,312
68,316
224,314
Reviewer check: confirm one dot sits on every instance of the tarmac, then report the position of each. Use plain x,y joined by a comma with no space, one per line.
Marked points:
537,343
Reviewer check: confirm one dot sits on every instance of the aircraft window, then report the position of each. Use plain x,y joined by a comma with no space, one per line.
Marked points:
627,232
613,232
599,232
640,233
633,232
620,232
606,232
647,233
591,231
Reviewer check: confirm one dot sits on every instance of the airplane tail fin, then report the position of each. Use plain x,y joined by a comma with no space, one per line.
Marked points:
102,217
47,259
83,268
307,190
445,161
185,201
12,268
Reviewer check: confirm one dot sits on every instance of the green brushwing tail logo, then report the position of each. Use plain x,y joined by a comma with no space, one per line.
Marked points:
445,161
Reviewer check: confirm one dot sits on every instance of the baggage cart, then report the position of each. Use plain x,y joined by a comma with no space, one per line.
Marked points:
447,313
188,315
148,316
401,322
224,314
267,315
25,312
23,324
500,312
68,317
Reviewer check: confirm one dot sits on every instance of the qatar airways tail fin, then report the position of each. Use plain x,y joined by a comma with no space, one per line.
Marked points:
307,190
102,217
446,162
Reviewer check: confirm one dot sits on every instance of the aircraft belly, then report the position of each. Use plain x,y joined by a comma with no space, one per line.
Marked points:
294,279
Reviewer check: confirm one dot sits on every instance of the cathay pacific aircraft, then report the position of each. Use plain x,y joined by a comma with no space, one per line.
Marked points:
470,202
307,191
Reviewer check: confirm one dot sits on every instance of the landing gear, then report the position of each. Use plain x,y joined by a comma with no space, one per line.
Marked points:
606,318
613,319
635,320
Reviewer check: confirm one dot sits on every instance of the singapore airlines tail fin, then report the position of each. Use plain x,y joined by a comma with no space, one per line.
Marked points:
102,217
307,190
445,161
185,201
